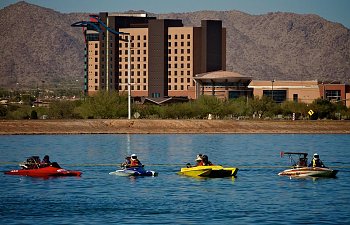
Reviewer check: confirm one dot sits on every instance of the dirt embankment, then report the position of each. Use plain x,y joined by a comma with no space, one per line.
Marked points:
102,126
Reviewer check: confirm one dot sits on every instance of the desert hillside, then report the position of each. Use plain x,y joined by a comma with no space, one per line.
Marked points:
39,47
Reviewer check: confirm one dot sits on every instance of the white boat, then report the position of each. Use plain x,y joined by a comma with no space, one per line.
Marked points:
300,168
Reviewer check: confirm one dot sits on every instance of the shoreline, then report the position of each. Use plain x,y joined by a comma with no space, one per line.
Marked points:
160,126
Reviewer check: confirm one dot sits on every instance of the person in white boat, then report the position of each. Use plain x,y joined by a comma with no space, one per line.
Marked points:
316,161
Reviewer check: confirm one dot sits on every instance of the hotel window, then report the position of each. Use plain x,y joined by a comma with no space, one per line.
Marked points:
169,87
138,66
175,58
182,87
144,66
175,36
182,72
96,67
169,66
132,45
138,80
120,45
188,58
138,87
169,51
175,44
182,51
144,80
188,43
132,37
169,73
182,36
132,52
96,60
182,43
295,97
175,65
120,59
96,81
188,72
182,65
138,73
175,87
175,80
188,36
96,45
144,73
169,80
182,58
169,44
188,80
111,45
169,58
144,58
144,37
126,52
138,52
96,74
145,44
138,59
144,88
188,51
169,36
96,52
175,73
138,37
175,51
182,80
144,52
188,65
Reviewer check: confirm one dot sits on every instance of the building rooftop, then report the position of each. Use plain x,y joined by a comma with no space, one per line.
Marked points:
222,76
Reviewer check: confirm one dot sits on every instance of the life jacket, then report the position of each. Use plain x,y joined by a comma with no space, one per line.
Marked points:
316,163
135,162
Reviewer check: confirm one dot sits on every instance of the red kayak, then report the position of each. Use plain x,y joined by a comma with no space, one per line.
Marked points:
32,167
49,171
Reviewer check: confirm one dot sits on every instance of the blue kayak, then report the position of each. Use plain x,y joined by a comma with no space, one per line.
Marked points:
134,171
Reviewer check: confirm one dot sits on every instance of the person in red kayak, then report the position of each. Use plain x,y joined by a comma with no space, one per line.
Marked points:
134,162
46,161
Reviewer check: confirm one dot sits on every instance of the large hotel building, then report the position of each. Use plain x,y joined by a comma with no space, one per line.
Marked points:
165,55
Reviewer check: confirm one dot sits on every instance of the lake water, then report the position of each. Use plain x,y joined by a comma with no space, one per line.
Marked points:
257,196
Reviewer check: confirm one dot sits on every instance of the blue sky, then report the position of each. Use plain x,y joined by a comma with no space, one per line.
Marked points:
332,10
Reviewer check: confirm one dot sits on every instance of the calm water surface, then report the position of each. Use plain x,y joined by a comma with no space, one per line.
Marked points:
257,196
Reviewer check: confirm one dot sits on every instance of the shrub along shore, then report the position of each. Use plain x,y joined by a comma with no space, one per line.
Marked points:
146,126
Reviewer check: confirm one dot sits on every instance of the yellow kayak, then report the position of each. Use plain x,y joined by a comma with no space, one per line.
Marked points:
209,171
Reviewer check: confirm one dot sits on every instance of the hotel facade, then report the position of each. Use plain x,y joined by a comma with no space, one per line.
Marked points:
165,56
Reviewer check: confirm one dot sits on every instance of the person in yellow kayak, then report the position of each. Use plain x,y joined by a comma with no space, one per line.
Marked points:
202,160
316,162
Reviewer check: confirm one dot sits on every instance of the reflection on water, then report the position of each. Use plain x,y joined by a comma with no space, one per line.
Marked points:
256,196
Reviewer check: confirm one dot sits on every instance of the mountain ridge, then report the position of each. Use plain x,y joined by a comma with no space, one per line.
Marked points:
39,47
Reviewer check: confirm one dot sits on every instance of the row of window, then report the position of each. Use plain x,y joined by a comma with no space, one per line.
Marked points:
182,44
182,73
176,51
181,65
181,36
182,58
182,80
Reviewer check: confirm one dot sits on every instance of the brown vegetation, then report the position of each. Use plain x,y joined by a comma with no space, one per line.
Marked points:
171,127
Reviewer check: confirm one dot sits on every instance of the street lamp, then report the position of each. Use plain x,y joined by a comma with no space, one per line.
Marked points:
273,81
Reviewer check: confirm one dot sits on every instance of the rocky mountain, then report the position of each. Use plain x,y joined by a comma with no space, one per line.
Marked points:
38,46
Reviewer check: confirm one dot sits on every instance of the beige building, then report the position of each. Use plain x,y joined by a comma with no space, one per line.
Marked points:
165,55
